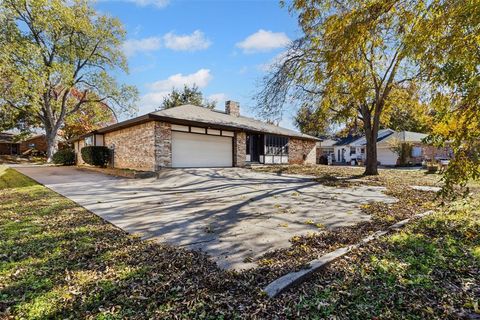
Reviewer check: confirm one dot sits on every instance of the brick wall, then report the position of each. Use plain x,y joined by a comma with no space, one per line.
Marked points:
163,145
431,152
7,148
301,151
134,147
239,149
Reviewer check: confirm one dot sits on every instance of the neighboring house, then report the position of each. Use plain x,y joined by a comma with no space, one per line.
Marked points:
24,146
420,151
385,156
325,147
353,148
7,144
192,136
37,142
343,151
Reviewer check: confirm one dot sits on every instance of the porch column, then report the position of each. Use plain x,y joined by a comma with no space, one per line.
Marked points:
239,149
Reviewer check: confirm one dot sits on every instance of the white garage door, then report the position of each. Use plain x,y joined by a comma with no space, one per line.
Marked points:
386,157
199,150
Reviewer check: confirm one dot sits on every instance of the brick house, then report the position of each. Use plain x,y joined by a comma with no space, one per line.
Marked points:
13,144
7,144
192,136
37,142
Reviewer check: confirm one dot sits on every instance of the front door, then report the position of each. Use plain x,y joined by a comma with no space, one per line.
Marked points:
256,147
15,148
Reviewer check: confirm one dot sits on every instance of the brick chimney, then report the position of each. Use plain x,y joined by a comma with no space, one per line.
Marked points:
232,108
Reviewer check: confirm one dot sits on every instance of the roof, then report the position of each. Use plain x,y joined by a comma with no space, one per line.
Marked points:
346,140
382,134
195,115
407,136
28,138
190,112
6,137
326,143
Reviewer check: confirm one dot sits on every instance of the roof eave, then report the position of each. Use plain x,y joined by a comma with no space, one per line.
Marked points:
153,117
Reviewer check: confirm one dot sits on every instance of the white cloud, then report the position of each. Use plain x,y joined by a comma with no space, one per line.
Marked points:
143,3
156,3
152,101
193,42
185,42
160,89
133,46
263,41
200,78
218,98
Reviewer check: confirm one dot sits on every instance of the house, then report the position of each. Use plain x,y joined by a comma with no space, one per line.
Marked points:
353,148
419,150
325,148
37,142
343,151
385,156
14,144
192,136
8,145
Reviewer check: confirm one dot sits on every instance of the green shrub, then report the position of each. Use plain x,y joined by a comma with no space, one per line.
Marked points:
64,157
96,155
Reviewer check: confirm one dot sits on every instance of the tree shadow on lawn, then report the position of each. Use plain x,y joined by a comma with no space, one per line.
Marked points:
346,176
71,263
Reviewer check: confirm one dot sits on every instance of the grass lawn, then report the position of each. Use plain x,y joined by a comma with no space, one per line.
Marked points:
57,260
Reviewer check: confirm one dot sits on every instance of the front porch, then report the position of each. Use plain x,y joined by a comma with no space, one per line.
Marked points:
266,149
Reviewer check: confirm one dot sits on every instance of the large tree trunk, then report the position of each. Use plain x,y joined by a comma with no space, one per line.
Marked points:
52,143
371,163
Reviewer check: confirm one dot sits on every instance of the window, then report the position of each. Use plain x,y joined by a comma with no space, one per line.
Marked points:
89,141
276,145
247,142
416,151
352,150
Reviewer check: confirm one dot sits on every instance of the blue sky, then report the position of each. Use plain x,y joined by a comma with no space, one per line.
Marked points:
222,46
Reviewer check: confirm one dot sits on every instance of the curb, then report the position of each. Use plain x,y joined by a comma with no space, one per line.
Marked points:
291,279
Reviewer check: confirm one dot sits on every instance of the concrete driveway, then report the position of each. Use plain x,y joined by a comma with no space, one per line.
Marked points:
232,214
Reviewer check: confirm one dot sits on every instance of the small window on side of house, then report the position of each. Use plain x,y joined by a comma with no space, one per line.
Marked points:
416,151
89,141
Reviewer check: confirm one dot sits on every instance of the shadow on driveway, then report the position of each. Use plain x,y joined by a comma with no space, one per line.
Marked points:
232,214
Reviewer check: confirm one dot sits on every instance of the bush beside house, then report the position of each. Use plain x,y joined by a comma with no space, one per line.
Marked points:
64,157
96,155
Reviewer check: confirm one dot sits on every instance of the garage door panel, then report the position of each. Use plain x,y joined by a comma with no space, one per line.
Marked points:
386,157
199,150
